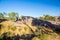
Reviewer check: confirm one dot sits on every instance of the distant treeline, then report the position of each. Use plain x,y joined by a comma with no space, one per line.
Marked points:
14,15
50,18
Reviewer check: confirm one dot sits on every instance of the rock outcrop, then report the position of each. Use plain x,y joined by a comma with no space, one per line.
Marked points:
36,22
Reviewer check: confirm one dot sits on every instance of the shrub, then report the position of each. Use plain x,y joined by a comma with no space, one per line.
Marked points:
13,28
25,28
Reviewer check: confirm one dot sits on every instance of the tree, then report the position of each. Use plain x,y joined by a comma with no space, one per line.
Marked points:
5,14
47,17
1,15
52,18
13,15
59,18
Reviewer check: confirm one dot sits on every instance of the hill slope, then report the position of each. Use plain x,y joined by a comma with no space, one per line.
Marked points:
29,28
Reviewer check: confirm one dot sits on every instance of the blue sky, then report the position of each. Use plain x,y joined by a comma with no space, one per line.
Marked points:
33,8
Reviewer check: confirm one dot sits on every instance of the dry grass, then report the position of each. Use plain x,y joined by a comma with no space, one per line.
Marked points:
15,28
8,26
